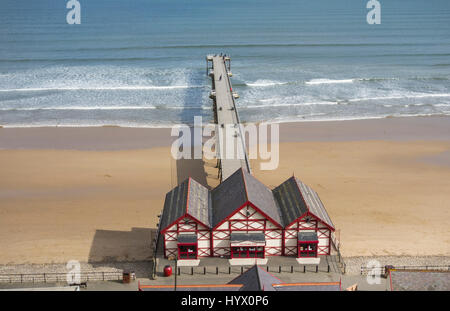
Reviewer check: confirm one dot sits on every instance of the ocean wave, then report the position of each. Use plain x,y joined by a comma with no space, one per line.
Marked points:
295,104
318,117
213,46
104,88
327,118
441,105
269,83
106,108
327,81
93,59
70,125
82,108
264,83
406,96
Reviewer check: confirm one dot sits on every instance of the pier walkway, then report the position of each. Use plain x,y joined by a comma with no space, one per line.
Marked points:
226,117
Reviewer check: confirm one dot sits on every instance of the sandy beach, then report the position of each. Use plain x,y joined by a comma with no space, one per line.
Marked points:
93,194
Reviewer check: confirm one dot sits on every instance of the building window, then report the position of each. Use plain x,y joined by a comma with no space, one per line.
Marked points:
307,249
187,251
247,252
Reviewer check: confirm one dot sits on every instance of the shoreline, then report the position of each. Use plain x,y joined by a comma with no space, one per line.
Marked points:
130,138
274,121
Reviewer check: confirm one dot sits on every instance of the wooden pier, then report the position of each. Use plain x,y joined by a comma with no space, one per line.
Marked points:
218,67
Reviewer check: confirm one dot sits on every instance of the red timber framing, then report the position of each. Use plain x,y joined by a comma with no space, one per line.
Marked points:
185,224
240,221
322,229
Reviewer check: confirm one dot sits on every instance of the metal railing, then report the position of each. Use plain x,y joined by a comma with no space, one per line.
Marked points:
337,245
204,270
56,277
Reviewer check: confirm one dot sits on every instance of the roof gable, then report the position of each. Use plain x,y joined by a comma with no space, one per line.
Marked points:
290,201
314,204
242,187
262,197
256,279
296,199
189,197
175,204
227,197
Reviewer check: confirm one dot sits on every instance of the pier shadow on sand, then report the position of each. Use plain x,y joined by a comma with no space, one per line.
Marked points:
192,106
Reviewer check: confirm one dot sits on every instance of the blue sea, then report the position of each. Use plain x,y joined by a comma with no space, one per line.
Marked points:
141,63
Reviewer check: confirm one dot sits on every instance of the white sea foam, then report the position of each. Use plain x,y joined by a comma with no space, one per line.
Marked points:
327,81
405,96
103,88
265,83
82,108
441,105
292,105
325,118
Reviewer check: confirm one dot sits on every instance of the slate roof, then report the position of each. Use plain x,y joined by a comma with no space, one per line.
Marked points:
295,198
236,190
199,205
256,279
283,205
188,197
185,288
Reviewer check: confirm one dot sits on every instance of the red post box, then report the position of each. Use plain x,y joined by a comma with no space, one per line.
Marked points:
168,270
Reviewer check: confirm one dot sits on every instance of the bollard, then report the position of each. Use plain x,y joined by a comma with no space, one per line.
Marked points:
242,269
267,268
204,270
317,268
229,270
328,269
304,269
292,269
179,270
217,270
192,270
279,269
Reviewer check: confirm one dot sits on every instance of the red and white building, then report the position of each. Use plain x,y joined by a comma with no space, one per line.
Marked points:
242,218
307,227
